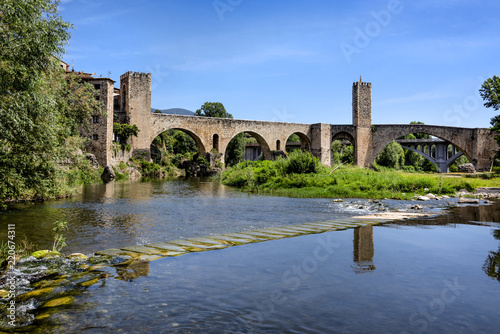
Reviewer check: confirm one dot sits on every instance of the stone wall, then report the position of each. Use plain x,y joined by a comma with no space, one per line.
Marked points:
100,131
135,91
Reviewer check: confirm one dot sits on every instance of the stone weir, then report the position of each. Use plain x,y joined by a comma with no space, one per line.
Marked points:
178,247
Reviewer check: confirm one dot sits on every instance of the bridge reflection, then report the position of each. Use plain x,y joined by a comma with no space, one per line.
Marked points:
363,249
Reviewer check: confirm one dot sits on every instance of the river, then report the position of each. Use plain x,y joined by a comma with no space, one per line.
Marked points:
426,275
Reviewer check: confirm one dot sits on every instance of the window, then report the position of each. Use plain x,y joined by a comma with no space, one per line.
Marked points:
95,137
97,86
95,119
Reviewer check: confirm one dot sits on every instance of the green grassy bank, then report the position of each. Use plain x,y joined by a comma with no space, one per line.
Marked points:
303,177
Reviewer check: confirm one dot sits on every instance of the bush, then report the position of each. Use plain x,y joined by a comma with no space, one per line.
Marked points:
302,163
148,168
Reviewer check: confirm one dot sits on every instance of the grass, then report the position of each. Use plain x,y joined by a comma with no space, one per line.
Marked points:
270,177
23,248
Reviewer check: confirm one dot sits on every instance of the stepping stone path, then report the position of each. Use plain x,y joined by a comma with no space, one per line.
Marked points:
183,246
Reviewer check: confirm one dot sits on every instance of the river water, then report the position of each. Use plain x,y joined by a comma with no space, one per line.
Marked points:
428,275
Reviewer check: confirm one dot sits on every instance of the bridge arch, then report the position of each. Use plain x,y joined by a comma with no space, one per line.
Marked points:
343,135
384,134
305,141
199,143
266,150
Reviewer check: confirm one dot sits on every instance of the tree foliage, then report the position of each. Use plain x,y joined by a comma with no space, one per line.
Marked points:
213,109
39,108
490,92
124,132
235,150
392,156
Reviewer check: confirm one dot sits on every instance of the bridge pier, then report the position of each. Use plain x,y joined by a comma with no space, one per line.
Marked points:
321,135
362,122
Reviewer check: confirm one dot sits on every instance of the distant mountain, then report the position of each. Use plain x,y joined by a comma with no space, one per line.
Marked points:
175,111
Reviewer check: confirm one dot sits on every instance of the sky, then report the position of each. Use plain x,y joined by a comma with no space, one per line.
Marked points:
296,61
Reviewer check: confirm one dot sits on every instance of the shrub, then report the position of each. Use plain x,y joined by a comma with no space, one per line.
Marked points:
302,163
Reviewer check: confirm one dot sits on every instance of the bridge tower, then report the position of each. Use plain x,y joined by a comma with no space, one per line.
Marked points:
135,101
362,122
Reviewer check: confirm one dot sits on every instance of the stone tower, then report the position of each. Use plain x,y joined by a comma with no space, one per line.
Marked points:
135,101
100,131
362,122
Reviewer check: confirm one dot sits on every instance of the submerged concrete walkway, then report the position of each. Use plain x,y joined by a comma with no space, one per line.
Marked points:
178,247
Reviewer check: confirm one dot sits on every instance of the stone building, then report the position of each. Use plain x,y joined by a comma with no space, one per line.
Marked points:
131,103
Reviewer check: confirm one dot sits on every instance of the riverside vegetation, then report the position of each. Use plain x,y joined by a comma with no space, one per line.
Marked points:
301,175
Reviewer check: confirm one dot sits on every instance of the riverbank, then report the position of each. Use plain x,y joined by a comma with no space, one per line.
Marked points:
266,177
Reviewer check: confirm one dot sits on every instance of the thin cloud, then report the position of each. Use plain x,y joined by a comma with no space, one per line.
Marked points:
256,58
426,96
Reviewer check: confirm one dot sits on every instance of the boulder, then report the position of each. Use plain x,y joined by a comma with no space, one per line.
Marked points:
133,173
93,160
468,200
108,175
422,198
466,168
430,196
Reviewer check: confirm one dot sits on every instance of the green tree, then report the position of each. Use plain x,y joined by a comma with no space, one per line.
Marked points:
38,107
213,109
391,156
490,92
124,132
235,150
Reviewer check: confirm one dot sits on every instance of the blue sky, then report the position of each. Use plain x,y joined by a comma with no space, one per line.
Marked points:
295,61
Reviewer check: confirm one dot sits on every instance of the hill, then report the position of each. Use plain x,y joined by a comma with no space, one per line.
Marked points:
175,111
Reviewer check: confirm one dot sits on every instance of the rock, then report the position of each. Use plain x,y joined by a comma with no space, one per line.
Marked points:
93,160
466,168
88,283
337,200
41,254
108,175
422,198
468,200
77,256
58,302
34,294
417,207
430,196
133,173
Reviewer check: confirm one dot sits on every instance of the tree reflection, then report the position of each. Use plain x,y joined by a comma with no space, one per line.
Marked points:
492,264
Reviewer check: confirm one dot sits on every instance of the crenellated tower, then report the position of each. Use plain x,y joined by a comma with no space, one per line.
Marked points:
135,101
362,122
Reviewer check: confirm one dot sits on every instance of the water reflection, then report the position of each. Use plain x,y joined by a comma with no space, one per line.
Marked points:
492,264
363,249
132,270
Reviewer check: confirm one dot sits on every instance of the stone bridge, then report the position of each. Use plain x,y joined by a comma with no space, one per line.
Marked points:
214,134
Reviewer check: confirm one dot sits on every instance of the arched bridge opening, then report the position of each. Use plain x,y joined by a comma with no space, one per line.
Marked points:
246,145
176,142
297,141
343,147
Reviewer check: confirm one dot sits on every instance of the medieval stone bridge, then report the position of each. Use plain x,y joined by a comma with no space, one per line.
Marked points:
214,134
479,145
